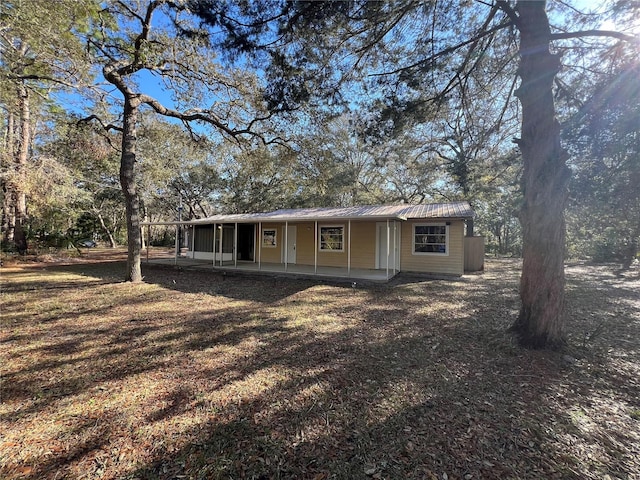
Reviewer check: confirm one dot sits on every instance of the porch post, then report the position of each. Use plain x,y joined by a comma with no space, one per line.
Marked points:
259,245
315,247
220,242
388,249
175,260
193,241
395,246
349,251
286,244
235,245
214,244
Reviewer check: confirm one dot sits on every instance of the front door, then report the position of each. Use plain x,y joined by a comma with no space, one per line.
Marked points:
246,240
381,246
291,244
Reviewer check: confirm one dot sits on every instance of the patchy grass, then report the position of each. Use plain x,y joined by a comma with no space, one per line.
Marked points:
195,375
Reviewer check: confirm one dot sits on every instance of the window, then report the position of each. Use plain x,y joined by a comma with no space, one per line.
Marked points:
269,238
430,240
332,238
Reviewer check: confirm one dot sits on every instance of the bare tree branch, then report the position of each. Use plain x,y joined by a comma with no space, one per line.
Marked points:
595,33
445,51
107,127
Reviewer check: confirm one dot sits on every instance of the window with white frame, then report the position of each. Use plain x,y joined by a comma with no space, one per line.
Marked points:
269,237
430,239
332,238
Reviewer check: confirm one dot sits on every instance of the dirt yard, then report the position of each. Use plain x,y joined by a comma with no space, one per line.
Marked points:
195,375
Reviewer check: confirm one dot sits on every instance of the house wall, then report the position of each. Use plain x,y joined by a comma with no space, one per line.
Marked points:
304,245
451,264
363,245
271,254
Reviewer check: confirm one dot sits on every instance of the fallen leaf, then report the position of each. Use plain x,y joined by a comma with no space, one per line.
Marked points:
370,471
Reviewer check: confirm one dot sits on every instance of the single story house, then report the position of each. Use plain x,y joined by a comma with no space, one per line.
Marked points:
384,238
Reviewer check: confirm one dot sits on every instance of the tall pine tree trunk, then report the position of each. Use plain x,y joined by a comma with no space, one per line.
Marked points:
128,183
8,158
20,196
544,182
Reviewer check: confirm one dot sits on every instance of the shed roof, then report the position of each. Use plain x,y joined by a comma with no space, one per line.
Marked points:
364,212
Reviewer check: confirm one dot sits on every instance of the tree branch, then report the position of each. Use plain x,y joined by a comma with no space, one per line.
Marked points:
206,117
509,11
446,51
190,116
469,55
107,127
43,78
596,33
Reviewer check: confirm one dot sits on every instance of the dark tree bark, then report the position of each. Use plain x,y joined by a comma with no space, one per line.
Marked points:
132,103
544,184
128,183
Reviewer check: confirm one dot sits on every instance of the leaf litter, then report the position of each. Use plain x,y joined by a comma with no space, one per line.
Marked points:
197,375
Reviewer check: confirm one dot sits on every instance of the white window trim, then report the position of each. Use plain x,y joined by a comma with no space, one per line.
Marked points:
320,227
413,239
275,237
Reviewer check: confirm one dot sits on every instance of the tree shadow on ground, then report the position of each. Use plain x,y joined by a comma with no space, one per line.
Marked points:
244,287
409,381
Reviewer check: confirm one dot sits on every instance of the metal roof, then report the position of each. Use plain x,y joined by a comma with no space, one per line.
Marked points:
400,212
439,210
379,212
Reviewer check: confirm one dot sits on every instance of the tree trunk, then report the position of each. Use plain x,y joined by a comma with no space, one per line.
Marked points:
8,159
112,241
545,186
8,218
630,252
128,183
19,234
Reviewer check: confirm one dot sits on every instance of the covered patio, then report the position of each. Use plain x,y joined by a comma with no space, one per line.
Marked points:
244,242
373,242
293,270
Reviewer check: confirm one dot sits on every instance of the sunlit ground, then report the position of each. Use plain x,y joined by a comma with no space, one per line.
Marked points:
195,375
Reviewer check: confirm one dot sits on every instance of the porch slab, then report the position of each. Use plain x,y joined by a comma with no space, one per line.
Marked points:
294,270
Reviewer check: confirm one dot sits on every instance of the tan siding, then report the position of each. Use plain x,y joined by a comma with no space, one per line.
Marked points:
363,247
452,264
272,254
363,244
333,259
304,246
